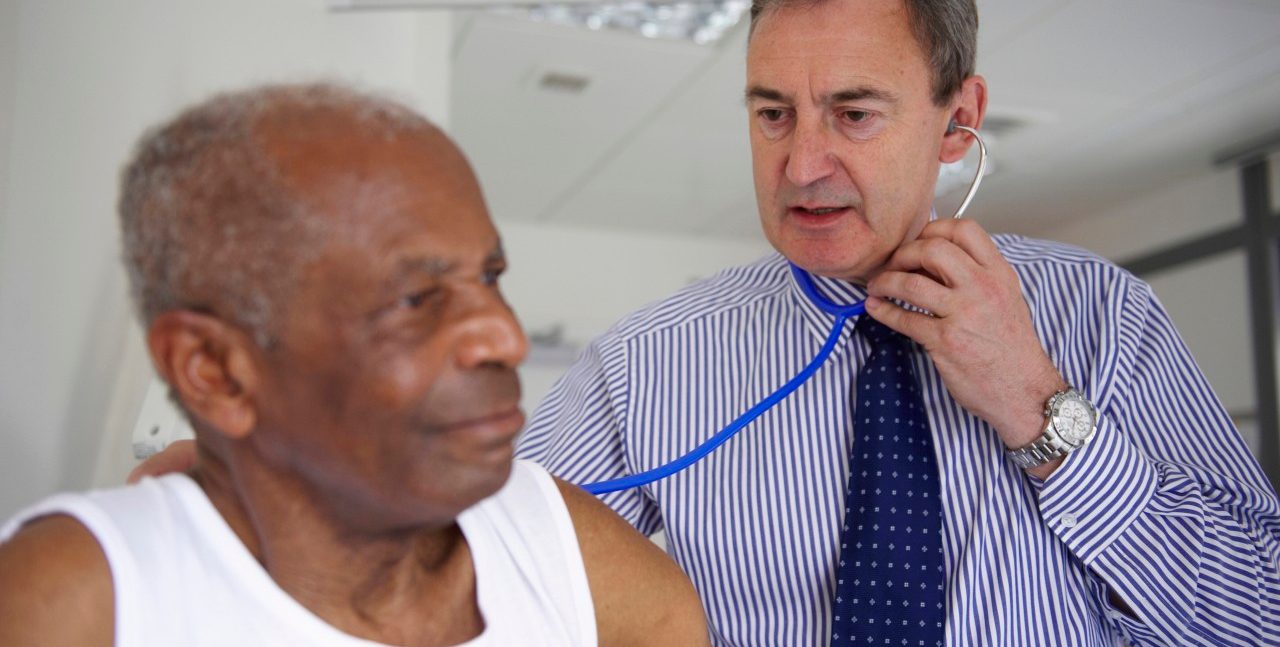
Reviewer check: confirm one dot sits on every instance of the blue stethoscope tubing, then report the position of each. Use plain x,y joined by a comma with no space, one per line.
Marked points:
841,312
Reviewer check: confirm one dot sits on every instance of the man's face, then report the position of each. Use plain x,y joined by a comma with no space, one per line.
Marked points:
844,133
393,390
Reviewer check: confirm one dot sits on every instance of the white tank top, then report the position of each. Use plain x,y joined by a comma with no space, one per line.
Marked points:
182,577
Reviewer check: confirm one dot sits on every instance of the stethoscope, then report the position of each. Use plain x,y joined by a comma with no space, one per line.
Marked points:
841,312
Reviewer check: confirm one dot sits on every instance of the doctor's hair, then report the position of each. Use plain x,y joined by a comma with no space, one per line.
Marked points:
207,223
946,30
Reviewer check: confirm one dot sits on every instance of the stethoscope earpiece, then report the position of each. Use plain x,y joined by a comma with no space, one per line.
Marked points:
982,165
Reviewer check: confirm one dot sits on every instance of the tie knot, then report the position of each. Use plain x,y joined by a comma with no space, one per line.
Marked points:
876,333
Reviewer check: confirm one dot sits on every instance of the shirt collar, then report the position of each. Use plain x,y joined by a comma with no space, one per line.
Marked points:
816,320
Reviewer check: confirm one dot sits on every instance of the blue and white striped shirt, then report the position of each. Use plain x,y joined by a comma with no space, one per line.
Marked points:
1166,507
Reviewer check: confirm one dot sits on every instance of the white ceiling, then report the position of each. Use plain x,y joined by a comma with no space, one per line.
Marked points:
1116,98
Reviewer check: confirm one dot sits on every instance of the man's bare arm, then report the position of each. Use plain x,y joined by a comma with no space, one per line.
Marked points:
641,597
55,587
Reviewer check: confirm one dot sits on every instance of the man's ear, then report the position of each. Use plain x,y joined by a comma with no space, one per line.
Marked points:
969,109
213,366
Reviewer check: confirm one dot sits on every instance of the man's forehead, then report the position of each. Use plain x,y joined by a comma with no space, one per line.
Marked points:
826,64
339,139
338,163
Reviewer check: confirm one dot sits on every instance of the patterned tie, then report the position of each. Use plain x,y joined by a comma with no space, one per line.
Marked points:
889,584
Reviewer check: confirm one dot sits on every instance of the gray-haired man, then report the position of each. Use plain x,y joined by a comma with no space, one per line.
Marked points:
817,524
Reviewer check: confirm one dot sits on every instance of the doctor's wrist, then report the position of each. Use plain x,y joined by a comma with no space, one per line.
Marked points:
1027,421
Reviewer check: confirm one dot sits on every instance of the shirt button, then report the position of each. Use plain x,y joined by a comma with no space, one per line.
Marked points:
1068,520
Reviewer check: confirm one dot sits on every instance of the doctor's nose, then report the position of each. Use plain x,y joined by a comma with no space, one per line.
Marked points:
812,157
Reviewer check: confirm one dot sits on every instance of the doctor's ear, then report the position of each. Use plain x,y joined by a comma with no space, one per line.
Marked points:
968,109
211,366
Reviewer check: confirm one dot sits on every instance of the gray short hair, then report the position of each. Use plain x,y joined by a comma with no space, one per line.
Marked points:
208,225
946,30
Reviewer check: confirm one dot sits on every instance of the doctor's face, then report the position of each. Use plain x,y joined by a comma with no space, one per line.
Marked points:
845,137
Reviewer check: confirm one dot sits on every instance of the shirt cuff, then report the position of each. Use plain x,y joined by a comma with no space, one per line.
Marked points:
1097,492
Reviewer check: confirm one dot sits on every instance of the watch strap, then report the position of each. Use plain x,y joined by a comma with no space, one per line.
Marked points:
1050,445
1047,448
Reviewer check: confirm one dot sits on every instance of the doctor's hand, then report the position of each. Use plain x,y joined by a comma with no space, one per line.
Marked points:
980,335
178,456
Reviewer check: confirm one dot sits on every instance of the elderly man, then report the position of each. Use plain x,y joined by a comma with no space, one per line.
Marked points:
317,274
1027,455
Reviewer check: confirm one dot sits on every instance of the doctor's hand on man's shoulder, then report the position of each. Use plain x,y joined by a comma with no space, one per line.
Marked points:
178,456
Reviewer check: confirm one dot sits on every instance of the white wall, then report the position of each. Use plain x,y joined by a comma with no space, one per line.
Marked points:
8,67
585,280
79,81
1196,205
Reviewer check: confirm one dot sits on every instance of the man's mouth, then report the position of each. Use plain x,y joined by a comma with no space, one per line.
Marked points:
817,213
495,426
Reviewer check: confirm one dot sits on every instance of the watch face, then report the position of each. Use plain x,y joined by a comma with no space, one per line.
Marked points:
1073,421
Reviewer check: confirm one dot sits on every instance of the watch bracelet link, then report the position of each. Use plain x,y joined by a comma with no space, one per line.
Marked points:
1045,449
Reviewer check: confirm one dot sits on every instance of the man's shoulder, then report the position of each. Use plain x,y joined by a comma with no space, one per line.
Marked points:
1021,250
55,585
641,596
728,290
49,545
1038,261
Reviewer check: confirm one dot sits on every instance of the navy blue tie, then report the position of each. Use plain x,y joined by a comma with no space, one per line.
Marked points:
890,582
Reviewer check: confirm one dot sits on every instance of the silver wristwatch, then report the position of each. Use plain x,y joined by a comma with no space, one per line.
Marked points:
1072,422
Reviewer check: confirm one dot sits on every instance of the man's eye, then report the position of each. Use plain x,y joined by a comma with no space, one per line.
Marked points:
491,275
856,116
418,299
771,114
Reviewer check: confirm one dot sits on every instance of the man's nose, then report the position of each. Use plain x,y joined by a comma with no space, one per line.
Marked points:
812,156
490,335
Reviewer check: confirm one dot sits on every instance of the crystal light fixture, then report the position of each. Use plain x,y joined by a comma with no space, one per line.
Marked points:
701,22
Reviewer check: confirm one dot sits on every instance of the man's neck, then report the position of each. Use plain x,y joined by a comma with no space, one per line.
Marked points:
413,586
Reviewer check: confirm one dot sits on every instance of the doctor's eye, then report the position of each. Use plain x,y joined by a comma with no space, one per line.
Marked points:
771,114
856,116
773,122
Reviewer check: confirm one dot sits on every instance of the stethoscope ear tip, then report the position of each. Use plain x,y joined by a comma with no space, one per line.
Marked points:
982,165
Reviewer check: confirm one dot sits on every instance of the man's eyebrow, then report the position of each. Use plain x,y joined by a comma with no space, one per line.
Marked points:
852,94
427,265
861,93
768,94
435,267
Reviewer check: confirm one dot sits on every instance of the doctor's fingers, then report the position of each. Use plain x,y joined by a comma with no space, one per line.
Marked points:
938,256
922,328
179,456
914,288
967,235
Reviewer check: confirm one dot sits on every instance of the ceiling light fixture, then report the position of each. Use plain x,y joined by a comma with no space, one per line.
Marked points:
700,22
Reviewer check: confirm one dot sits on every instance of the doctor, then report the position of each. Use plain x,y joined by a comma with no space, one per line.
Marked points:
1044,465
